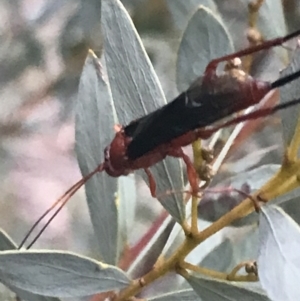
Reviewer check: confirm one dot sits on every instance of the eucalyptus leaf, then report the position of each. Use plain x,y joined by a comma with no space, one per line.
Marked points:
289,117
6,243
181,11
220,257
183,295
254,178
209,289
94,123
271,20
241,246
136,91
24,295
214,205
203,249
287,197
176,236
58,274
289,202
175,239
127,206
270,24
152,250
204,39
279,259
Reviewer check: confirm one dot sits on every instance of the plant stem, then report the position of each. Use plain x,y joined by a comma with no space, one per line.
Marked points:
204,271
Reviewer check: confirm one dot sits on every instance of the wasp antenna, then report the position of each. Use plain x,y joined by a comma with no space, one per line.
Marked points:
63,200
291,36
52,217
75,186
285,80
285,105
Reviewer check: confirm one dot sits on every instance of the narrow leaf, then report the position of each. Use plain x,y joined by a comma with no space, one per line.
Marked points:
241,246
183,295
24,295
289,117
289,202
136,91
287,197
94,131
271,20
127,207
150,253
206,247
209,289
204,39
214,205
6,243
254,178
177,237
181,11
279,259
58,274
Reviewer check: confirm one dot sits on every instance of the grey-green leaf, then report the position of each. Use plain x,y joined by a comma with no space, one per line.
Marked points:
181,11
6,243
183,295
126,207
213,206
58,274
204,39
287,197
271,21
94,131
209,289
279,259
254,178
289,117
177,237
136,91
289,202
241,246
150,253
24,295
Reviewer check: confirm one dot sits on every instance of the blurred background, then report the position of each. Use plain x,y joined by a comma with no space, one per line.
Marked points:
42,51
